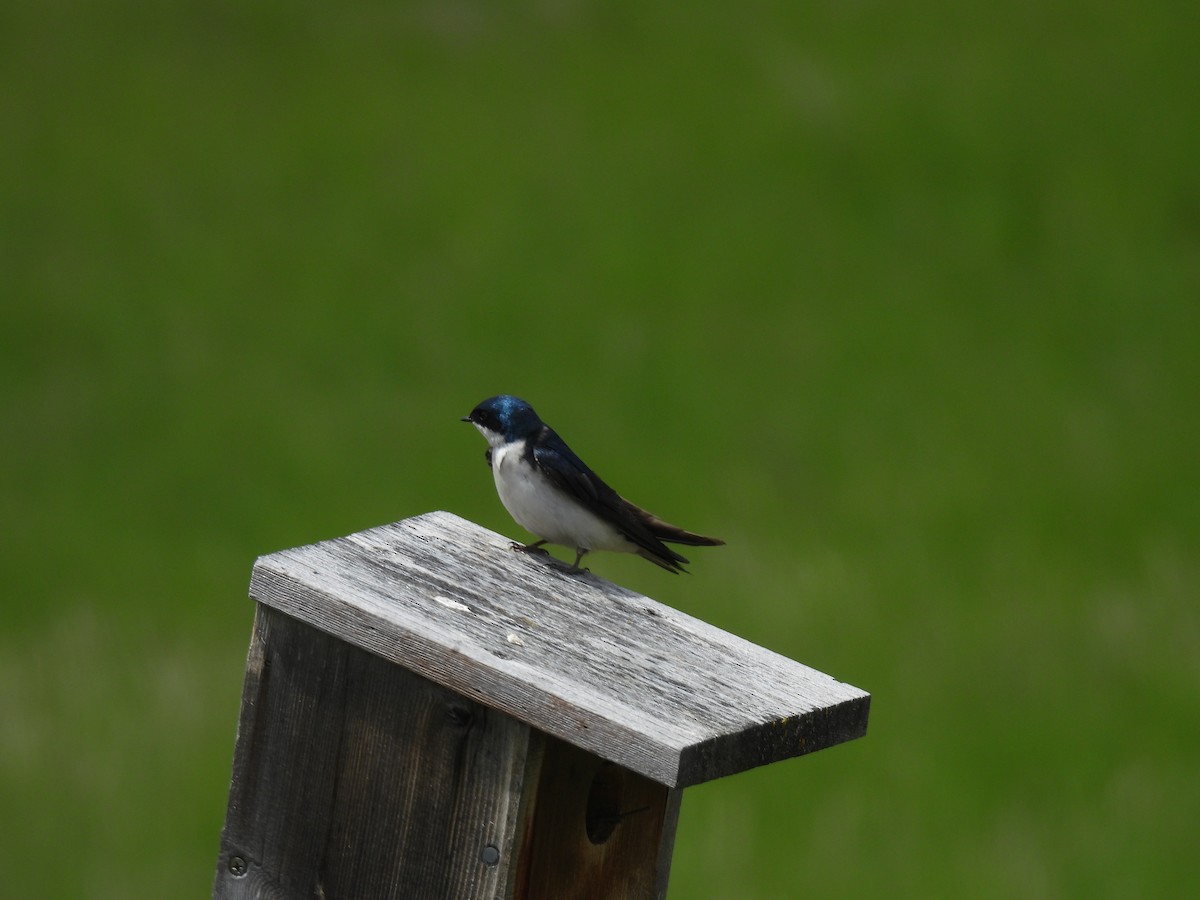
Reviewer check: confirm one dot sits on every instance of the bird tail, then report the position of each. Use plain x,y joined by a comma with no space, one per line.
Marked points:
672,563
654,534
673,534
662,555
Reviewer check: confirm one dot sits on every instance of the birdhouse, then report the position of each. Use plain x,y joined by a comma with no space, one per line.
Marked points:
427,714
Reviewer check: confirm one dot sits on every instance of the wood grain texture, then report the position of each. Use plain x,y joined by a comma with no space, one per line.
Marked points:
596,831
355,778
605,669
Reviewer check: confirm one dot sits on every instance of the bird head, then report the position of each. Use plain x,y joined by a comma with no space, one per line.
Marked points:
503,419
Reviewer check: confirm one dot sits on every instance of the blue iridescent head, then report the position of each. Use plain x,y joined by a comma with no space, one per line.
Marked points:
504,416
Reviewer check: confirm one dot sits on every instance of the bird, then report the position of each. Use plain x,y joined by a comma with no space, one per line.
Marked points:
553,494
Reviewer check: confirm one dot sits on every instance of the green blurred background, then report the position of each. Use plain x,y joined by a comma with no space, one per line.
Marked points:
901,300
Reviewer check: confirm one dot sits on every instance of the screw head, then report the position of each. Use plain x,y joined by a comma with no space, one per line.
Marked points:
237,866
490,855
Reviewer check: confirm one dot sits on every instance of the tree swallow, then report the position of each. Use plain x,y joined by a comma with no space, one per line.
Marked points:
553,494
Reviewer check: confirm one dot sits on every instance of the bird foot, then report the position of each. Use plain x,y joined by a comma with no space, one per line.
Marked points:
535,548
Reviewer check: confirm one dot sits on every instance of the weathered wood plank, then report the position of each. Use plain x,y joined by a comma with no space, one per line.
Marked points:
284,763
605,669
597,831
356,778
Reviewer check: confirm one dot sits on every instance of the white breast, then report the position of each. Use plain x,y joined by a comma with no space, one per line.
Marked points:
544,510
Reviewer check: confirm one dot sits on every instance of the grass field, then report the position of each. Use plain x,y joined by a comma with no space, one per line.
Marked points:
901,301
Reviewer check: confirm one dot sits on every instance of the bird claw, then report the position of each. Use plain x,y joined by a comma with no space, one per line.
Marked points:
529,548
536,549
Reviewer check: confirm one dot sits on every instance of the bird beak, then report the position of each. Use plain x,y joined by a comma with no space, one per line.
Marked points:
465,419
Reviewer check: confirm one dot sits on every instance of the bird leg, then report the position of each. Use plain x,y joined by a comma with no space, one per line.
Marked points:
579,551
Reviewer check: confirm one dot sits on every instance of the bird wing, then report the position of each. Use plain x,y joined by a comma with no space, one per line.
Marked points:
554,459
